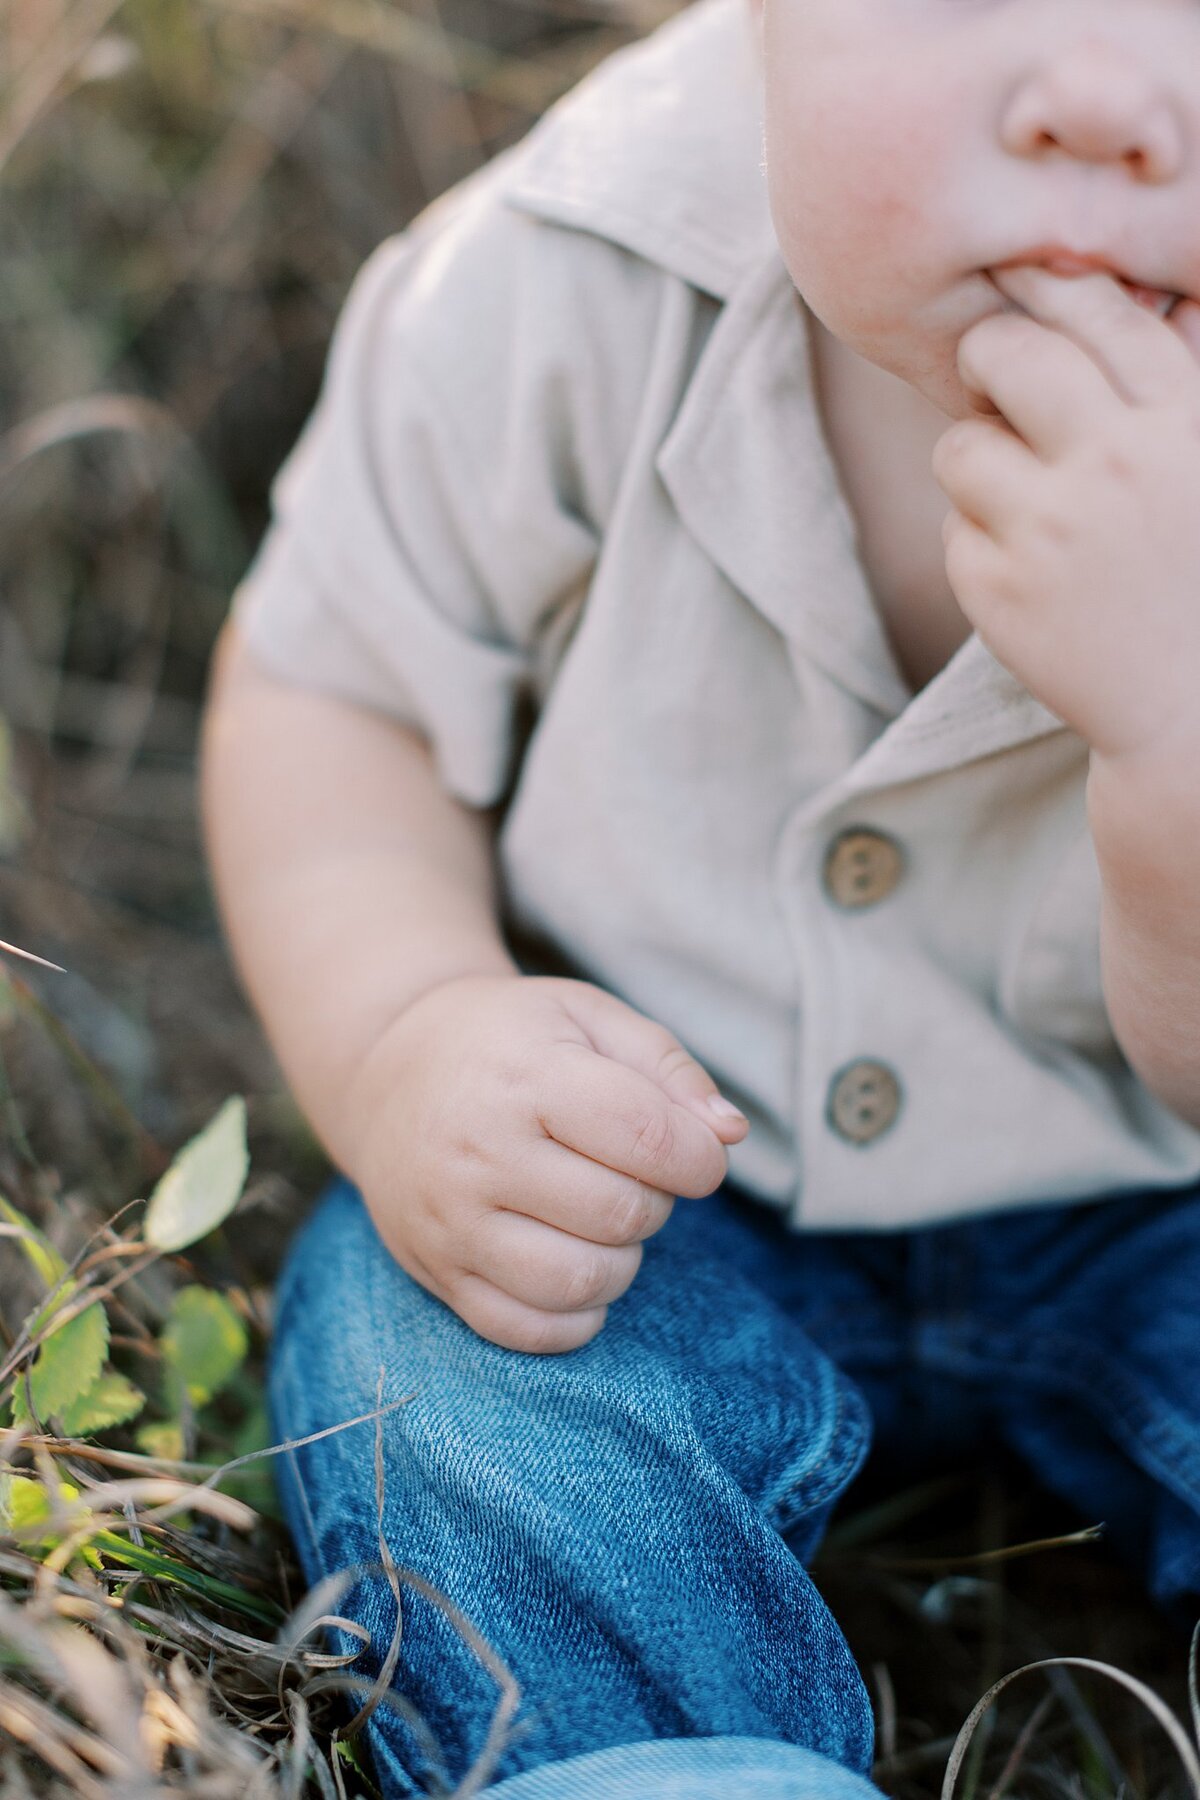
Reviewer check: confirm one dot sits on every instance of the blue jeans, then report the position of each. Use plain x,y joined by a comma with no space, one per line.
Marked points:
627,1526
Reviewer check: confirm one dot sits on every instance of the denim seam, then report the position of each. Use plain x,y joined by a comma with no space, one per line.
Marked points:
847,1439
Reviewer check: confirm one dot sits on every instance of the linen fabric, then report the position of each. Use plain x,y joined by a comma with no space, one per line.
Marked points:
567,507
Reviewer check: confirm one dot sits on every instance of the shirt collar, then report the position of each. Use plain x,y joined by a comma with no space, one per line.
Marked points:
660,150
750,472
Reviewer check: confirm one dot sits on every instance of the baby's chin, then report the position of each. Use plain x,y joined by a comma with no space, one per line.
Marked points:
922,350
941,383
933,375
917,343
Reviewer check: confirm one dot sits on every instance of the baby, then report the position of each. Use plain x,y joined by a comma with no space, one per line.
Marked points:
714,717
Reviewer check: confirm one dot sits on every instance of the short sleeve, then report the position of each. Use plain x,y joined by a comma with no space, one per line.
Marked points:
432,520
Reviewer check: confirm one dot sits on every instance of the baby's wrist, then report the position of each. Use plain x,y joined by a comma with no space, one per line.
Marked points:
1142,797
369,1084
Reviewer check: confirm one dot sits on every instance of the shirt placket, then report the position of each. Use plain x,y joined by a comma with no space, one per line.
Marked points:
839,869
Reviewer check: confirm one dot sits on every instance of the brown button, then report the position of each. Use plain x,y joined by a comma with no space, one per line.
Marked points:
864,1099
862,867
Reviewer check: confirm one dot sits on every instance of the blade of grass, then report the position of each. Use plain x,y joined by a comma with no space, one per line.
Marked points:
13,950
1016,1755
937,1565
1150,1700
167,1568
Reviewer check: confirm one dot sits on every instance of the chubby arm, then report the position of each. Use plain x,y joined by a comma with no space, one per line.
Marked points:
515,1138
348,880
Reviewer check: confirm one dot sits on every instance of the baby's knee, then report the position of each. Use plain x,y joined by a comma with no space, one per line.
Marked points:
696,1384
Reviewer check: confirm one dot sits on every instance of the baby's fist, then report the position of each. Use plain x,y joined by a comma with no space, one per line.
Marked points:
521,1137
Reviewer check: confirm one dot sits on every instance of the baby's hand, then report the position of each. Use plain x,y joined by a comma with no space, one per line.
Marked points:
521,1136
1074,546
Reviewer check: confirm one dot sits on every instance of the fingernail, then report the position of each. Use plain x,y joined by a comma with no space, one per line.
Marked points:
724,1109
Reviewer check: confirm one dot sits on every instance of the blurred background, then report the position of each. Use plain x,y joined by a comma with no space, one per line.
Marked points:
187,188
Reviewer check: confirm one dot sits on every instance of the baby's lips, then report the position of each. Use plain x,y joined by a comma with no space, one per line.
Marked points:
1011,280
1185,322
1004,286
1028,279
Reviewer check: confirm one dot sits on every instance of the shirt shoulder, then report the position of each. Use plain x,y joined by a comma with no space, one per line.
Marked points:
491,371
558,277
659,150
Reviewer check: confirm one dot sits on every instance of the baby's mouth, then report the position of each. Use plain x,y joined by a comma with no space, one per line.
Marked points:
1155,300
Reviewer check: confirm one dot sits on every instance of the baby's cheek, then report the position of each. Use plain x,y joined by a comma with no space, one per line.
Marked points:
856,209
893,185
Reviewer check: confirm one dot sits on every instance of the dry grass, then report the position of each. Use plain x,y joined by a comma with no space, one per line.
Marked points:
186,188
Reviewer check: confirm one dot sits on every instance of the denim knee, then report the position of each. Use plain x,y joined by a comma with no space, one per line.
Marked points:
609,1520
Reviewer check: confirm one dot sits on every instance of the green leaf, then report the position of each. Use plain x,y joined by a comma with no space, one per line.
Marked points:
47,1263
110,1400
164,1441
203,1184
25,1510
169,1568
24,1503
204,1342
347,1751
67,1365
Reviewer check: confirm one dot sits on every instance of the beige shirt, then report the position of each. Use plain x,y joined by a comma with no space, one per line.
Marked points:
567,506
